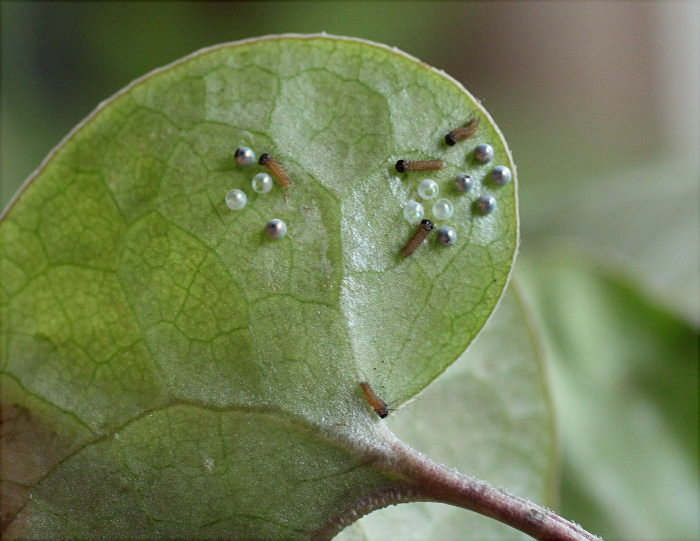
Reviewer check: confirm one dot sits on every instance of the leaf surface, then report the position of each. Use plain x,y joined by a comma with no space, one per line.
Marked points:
195,377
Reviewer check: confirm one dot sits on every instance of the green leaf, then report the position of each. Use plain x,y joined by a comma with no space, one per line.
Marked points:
493,403
194,377
639,217
625,382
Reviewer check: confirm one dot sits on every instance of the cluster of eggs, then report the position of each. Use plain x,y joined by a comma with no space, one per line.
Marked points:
443,209
261,183
413,211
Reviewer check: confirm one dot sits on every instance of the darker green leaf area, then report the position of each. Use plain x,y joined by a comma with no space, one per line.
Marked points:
160,478
209,373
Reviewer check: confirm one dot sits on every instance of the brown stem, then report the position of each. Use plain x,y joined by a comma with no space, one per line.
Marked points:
422,480
435,482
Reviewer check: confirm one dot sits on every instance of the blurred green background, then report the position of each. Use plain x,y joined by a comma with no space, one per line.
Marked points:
599,103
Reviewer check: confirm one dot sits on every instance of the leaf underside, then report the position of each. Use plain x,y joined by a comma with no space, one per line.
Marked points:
176,372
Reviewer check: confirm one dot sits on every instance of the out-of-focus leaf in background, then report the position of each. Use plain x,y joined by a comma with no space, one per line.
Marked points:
625,383
644,218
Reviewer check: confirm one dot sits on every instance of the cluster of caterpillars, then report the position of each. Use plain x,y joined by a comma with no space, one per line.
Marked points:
379,406
404,166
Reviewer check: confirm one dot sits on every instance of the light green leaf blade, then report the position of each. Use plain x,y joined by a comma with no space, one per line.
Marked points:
134,302
625,384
